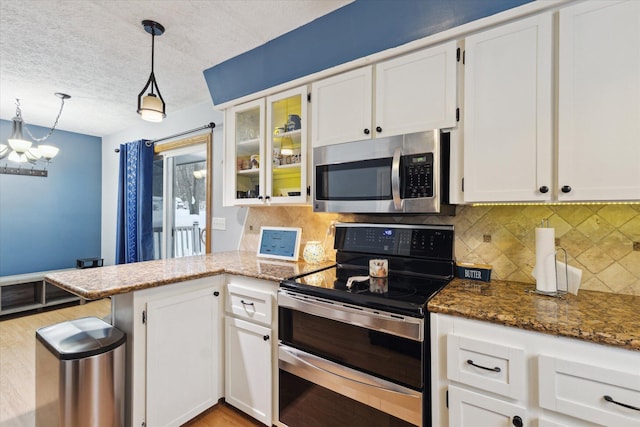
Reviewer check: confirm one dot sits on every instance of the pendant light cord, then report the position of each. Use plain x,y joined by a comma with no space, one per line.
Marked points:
153,50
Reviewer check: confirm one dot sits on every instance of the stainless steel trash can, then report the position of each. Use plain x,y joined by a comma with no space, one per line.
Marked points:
80,366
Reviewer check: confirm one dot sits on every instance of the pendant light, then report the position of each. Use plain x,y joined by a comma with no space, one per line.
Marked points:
151,106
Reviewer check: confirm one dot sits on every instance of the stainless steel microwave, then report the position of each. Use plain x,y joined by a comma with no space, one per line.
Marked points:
397,174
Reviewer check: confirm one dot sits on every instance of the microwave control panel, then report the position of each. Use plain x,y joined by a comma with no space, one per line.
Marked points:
417,176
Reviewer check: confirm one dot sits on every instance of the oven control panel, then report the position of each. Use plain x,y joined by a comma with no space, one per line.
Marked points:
422,241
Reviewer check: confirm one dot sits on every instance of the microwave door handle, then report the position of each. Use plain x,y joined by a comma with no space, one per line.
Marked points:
395,179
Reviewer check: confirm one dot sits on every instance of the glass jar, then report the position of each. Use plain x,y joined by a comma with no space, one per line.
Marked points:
313,252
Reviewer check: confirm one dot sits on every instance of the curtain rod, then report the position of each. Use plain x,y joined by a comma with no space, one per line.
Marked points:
211,125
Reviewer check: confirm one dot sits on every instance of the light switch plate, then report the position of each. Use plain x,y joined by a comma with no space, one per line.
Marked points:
219,223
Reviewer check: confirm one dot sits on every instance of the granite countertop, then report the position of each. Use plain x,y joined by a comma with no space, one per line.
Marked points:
598,317
96,283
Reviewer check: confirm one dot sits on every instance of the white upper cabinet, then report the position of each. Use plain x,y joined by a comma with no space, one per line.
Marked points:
266,150
511,151
508,112
416,92
286,154
599,101
244,142
413,93
341,108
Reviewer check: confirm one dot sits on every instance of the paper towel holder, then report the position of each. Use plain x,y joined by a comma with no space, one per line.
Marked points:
558,293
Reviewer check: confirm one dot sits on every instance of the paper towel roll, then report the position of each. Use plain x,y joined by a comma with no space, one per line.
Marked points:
545,260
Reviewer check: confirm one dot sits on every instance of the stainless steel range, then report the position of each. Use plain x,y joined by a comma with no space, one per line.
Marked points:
354,347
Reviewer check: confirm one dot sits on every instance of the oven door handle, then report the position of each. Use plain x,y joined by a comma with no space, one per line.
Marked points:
401,326
297,357
395,179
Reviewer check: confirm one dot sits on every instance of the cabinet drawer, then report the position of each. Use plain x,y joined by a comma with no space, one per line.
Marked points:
250,304
489,366
467,408
579,390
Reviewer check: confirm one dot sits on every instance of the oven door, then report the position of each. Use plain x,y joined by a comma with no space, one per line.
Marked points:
329,351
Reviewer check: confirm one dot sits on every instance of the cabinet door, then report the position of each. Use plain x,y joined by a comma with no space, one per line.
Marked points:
248,369
286,152
244,147
599,101
508,114
183,341
470,409
341,108
589,391
416,92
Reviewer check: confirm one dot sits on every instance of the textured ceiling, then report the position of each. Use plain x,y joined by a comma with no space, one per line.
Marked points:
98,52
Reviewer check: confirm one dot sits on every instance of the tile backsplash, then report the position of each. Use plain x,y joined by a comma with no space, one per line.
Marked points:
602,240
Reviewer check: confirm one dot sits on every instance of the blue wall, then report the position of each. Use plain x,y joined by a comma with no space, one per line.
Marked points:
356,30
48,223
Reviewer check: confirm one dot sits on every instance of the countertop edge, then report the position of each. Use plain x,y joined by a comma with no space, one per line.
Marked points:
102,282
95,295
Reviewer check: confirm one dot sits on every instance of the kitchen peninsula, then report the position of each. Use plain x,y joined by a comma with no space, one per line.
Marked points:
139,289
174,312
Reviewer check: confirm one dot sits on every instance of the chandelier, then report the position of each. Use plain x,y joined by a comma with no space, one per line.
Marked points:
20,150
151,107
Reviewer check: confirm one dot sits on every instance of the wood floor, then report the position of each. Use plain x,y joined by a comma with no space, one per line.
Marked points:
17,369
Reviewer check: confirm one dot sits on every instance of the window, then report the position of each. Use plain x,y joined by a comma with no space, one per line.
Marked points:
182,172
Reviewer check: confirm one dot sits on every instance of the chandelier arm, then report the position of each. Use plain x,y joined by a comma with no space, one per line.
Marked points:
44,138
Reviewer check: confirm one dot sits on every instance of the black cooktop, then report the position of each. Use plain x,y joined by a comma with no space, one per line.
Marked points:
397,293
420,263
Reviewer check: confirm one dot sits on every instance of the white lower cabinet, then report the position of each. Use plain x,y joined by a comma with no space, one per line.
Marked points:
491,375
183,345
248,368
250,347
486,365
174,350
470,409
590,392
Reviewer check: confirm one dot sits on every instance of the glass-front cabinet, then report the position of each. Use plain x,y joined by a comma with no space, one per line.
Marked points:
266,150
287,146
245,146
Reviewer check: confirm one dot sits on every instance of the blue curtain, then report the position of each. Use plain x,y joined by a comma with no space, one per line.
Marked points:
134,240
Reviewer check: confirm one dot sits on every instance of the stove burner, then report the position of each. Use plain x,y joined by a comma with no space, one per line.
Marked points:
375,285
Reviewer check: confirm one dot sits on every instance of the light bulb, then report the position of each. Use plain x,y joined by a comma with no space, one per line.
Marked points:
151,108
33,155
20,146
48,151
18,158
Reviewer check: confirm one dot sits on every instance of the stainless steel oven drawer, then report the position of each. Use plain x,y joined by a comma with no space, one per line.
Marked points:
388,397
